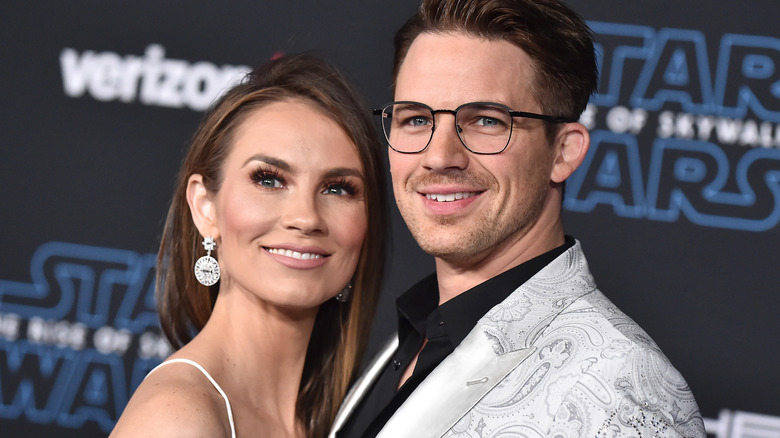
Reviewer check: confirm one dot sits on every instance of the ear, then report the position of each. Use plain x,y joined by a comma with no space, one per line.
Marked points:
202,207
573,141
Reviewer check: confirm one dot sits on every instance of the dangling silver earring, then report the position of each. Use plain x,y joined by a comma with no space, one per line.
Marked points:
207,268
345,293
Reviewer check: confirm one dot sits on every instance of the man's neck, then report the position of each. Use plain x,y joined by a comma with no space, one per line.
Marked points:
454,278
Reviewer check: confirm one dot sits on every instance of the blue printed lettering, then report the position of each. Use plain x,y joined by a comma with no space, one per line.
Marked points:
616,46
677,71
748,76
609,175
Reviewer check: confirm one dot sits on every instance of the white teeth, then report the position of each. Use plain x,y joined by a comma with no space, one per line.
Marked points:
294,254
450,197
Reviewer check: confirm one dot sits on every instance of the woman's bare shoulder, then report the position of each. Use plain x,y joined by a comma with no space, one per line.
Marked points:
175,400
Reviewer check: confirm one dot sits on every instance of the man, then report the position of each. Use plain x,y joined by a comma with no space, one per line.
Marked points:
510,337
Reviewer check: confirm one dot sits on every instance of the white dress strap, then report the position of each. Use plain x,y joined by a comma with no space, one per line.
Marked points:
213,382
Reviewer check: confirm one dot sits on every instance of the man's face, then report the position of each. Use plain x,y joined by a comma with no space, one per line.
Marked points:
462,207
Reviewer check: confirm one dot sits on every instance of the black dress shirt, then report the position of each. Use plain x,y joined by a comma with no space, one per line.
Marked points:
419,318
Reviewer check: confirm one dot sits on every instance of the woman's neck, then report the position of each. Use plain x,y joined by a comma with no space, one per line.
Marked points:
256,351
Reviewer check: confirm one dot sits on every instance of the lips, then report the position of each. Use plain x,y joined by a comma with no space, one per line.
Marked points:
450,197
440,202
295,254
298,257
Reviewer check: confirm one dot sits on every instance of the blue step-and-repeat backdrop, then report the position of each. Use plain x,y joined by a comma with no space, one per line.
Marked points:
677,204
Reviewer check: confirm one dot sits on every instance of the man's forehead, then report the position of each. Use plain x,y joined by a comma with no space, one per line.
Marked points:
454,68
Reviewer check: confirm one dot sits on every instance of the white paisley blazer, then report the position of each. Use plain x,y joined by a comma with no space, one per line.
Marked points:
554,359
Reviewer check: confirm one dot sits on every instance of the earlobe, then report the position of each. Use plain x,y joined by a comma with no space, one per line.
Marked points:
202,207
573,143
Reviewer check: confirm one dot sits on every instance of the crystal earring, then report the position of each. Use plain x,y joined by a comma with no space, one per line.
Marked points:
345,293
207,268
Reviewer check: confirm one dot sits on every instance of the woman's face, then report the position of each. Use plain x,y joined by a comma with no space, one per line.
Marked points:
291,213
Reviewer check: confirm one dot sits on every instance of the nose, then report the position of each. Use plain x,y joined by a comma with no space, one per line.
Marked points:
301,212
445,152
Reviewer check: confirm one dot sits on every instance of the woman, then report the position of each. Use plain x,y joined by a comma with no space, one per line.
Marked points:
283,185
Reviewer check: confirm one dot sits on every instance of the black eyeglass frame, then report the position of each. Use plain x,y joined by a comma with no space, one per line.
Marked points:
458,129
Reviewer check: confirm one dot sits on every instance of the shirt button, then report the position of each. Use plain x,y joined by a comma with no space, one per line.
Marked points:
396,363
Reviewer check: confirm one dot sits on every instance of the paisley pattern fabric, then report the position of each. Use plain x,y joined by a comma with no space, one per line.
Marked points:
593,373
556,359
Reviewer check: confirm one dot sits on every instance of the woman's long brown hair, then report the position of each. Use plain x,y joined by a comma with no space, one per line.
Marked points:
341,329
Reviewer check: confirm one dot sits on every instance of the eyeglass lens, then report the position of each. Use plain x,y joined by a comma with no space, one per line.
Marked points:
482,127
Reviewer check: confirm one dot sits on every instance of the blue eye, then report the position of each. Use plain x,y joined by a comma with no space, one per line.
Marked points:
340,188
333,190
418,121
267,178
268,181
488,121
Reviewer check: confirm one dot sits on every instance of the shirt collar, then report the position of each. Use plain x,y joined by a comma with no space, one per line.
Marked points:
462,312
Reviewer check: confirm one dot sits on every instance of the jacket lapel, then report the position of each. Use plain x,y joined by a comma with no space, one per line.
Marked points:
501,341
458,383
364,382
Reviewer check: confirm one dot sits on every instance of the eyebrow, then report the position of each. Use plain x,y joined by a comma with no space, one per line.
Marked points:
276,162
342,172
286,167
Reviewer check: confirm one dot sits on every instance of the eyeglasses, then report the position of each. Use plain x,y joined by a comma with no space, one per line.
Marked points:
483,127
